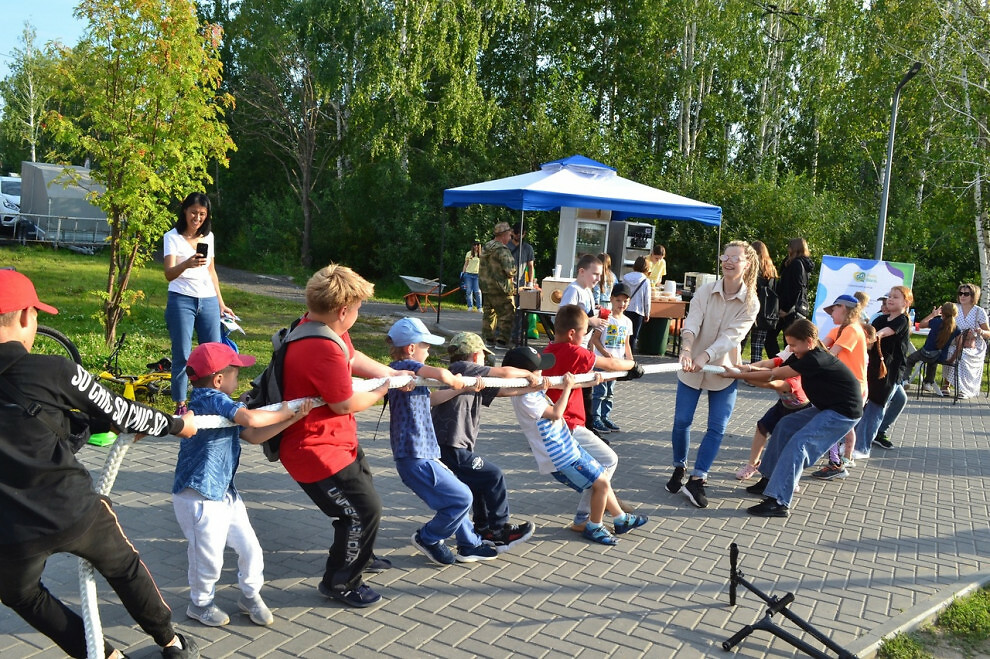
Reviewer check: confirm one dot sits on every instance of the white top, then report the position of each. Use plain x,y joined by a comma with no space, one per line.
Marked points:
615,334
194,282
584,298
639,292
719,322
552,443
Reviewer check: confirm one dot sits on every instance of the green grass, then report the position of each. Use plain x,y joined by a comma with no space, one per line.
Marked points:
963,626
68,281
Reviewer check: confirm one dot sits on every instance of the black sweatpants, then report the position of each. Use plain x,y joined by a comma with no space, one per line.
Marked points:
112,554
350,498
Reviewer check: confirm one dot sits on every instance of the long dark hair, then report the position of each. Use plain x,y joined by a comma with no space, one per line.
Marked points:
796,248
195,199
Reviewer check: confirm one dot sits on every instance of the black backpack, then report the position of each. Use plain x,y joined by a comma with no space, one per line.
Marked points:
266,389
766,319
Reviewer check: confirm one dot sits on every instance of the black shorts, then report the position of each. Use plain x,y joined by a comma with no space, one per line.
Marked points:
774,415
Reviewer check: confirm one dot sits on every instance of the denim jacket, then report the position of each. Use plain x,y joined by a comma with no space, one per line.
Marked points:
208,460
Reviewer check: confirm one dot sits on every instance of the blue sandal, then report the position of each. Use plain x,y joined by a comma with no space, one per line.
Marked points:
599,535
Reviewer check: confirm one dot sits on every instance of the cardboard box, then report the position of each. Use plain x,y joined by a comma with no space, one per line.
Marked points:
529,299
553,288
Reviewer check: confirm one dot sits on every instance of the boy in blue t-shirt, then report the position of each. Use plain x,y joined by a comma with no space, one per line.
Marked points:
207,506
417,453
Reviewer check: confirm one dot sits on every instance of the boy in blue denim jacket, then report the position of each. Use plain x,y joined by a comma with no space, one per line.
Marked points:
207,506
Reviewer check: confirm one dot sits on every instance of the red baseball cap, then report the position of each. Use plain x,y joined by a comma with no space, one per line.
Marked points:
17,293
209,358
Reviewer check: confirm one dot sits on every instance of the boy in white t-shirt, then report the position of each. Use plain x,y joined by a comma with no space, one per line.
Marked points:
579,292
610,341
558,454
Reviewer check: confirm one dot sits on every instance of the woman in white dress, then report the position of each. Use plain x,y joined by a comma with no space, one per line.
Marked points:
974,318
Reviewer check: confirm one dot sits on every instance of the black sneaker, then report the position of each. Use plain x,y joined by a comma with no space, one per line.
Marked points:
694,490
377,565
676,481
758,486
883,442
768,508
509,535
361,597
189,649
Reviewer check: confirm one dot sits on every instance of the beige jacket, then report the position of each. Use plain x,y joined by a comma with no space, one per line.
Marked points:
719,324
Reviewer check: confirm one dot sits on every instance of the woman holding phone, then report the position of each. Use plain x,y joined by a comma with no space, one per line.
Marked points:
194,299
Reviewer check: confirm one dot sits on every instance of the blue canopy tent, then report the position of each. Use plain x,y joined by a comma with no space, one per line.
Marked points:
580,182
583,183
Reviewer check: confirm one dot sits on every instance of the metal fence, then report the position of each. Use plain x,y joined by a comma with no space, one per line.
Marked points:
61,231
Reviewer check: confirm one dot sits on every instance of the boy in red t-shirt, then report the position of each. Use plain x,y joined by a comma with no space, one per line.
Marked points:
321,452
569,329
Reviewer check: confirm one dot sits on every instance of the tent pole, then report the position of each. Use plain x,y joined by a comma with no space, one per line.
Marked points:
451,214
717,253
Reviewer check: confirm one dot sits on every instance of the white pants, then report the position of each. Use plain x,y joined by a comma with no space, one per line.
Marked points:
209,526
600,451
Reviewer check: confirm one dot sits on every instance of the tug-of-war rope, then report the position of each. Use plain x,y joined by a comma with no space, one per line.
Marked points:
87,584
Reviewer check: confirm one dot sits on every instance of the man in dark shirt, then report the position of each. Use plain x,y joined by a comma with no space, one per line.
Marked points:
47,501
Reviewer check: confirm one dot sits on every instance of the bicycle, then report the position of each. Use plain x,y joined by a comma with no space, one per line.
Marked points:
158,379
50,341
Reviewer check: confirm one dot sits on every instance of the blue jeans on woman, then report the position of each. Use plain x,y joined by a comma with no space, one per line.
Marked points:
472,291
898,399
720,406
183,314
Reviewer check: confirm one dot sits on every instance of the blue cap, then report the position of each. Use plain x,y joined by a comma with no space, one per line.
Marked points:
842,300
408,331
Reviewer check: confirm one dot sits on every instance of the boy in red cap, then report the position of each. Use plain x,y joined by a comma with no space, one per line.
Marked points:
47,501
207,506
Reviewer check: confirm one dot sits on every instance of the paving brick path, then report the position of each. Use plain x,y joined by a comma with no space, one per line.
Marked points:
905,530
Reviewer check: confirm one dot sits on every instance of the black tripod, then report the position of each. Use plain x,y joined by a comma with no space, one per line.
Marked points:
776,605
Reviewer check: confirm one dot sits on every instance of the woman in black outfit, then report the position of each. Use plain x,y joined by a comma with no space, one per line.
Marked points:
792,289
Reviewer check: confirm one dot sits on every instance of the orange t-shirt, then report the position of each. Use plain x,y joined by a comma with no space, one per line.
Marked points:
852,340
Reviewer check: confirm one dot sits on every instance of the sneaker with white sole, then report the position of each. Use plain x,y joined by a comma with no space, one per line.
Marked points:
694,490
256,609
859,455
830,472
438,552
480,552
676,481
210,615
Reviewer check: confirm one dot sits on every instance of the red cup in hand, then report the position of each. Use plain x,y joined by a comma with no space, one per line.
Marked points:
604,313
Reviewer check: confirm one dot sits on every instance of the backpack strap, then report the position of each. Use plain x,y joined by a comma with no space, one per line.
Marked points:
315,328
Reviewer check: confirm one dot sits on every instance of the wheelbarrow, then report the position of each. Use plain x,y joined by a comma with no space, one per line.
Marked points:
421,289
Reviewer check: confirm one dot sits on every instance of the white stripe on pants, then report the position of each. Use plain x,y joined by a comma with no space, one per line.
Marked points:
606,457
209,526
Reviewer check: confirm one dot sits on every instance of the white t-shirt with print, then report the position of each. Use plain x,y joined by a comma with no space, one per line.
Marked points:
194,282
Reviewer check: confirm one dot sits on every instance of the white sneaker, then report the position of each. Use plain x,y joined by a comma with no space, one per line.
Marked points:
210,615
859,455
929,388
256,609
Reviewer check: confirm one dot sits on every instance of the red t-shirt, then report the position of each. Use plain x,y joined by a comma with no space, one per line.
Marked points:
323,443
570,359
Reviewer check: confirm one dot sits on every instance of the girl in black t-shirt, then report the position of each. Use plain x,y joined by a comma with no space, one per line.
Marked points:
800,439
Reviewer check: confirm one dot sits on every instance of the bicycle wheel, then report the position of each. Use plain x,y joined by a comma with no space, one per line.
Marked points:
49,341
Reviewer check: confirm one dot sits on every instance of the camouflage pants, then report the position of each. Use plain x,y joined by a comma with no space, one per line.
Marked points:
496,321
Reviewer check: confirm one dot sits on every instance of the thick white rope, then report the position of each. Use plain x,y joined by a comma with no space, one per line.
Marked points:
87,583
396,382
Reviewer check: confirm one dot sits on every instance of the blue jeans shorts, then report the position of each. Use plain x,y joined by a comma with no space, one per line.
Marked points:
580,474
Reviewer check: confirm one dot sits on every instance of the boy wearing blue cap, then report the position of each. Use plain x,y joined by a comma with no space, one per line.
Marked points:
417,453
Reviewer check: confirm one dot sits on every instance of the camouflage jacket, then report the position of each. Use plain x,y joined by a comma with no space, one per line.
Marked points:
498,268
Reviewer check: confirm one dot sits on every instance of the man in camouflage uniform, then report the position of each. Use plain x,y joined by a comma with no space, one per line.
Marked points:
498,287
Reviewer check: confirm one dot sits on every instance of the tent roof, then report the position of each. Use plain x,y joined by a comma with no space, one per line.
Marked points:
581,182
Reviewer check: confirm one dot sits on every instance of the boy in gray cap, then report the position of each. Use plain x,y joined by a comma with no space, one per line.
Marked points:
457,421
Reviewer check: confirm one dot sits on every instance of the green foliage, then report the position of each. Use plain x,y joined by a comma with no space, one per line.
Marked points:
145,79
26,93
968,617
903,646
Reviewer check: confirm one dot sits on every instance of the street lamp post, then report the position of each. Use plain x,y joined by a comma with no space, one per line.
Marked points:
882,220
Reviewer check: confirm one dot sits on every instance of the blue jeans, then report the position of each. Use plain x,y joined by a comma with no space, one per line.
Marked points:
873,416
472,291
601,401
451,499
720,406
898,400
797,442
184,313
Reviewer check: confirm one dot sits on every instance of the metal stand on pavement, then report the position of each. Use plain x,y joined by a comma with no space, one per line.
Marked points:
766,624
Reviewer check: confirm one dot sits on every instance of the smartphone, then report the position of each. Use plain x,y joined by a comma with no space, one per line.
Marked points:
203,249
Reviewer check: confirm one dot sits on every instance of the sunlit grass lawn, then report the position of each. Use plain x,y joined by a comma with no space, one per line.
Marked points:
963,629
69,281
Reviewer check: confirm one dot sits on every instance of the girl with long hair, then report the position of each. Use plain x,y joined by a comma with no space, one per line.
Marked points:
766,278
721,314
792,289
942,330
